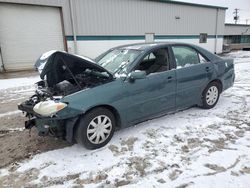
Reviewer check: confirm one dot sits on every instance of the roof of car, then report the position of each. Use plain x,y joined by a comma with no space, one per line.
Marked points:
154,45
145,46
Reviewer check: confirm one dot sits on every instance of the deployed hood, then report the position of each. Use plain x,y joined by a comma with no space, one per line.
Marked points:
41,61
57,66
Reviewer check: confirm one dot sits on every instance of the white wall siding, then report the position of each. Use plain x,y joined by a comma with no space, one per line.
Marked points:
134,17
137,17
94,48
210,45
26,32
104,20
233,29
63,4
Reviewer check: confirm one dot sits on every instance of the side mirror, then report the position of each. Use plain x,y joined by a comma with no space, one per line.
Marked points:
137,75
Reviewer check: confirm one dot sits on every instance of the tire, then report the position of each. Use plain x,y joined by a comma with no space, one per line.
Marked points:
210,95
96,128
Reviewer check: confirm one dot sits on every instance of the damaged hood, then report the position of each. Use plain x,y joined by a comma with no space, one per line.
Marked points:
56,65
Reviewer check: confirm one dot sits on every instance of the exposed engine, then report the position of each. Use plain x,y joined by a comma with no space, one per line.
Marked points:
79,82
62,74
87,79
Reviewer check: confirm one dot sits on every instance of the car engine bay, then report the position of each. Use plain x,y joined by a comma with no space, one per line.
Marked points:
88,79
63,74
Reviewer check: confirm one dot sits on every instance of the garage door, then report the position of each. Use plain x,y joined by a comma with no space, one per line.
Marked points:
26,32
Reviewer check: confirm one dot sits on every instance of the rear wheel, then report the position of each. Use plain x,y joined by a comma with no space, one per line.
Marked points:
96,128
211,95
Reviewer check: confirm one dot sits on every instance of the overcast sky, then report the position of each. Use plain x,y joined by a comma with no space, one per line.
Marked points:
243,5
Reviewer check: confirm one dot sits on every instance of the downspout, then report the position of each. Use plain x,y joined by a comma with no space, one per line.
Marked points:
73,25
216,31
2,68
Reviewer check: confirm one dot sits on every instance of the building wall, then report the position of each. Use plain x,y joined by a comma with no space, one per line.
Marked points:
96,24
237,29
137,17
134,17
63,4
102,24
27,31
237,36
92,48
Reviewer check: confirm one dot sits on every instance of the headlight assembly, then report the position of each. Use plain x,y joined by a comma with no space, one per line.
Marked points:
48,108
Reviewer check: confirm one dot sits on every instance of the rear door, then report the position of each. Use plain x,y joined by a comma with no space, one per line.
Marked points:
193,72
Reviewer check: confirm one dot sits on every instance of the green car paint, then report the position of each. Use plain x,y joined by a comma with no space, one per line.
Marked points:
158,93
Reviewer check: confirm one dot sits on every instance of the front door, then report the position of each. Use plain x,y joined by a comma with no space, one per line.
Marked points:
154,94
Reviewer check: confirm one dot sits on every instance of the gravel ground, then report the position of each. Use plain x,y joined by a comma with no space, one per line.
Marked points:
17,143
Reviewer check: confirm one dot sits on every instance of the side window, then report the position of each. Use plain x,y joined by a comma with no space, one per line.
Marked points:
156,61
202,59
150,56
186,56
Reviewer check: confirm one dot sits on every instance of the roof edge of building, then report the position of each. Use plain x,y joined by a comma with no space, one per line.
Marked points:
190,4
232,24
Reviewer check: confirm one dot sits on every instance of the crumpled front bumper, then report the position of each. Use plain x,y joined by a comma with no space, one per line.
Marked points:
26,108
60,125
61,128
46,125
43,124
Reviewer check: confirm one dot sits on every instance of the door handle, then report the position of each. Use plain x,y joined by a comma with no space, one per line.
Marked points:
208,69
169,78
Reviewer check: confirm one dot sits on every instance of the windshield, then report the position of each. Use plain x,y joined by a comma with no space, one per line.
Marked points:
117,60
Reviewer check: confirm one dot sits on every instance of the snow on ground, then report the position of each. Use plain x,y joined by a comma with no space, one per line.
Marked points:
191,148
17,82
10,113
13,91
16,88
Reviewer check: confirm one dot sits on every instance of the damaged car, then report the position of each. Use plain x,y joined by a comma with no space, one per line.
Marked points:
84,101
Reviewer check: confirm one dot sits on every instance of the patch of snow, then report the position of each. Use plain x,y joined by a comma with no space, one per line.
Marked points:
4,172
16,129
63,161
17,82
10,113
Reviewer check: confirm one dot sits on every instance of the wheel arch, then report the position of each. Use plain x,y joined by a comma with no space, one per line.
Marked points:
109,107
219,82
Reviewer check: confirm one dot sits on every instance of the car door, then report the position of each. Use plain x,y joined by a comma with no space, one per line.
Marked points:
150,96
193,72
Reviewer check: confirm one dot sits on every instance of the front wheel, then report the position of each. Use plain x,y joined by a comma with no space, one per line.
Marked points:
95,128
210,95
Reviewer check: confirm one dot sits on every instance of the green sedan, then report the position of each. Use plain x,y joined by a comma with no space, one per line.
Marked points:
85,101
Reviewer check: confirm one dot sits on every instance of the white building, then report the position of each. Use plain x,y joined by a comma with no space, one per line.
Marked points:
90,27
